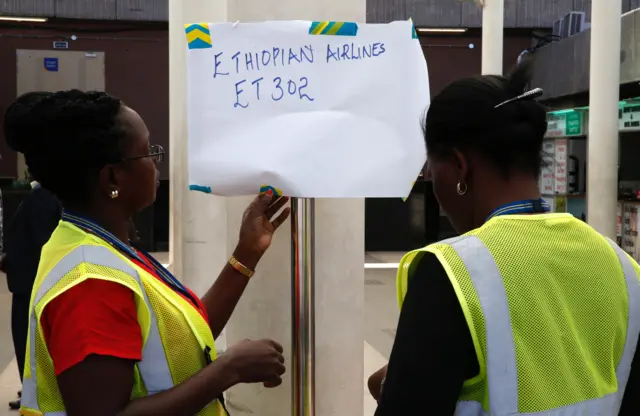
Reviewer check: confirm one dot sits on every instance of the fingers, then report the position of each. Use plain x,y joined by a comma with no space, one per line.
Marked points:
281,218
275,345
275,382
276,206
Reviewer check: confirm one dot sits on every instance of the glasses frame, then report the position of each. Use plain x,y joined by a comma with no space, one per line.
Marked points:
155,150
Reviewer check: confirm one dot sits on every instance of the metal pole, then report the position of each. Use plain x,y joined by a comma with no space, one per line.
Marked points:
303,307
492,36
602,144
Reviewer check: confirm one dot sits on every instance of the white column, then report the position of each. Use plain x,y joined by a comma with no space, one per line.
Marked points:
492,36
198,227
602,154
205,230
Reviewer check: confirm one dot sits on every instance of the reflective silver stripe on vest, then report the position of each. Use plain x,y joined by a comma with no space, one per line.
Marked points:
154,368
502,375
633,320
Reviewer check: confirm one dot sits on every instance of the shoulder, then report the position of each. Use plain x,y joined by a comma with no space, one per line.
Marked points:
93,298
429,273
93,317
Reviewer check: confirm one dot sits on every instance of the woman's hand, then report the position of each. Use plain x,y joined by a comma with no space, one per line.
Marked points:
258,227
256,362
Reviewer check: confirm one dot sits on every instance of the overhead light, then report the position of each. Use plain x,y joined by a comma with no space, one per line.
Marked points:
23,19
442,30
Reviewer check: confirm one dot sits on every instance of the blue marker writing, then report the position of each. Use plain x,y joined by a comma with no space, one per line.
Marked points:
345,52
248,59
306,52
266,58
217,63
293,56
257,84
235,58
238,92
303,84
333,55
276,53
278,84
291,87
378,49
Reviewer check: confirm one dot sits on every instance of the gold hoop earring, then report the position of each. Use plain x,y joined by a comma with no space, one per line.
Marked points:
460,190
115,194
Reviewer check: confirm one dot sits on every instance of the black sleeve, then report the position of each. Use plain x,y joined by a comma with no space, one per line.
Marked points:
35,221
42,217
631,400
433,351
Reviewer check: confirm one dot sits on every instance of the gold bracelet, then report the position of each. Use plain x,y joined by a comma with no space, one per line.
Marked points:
241,268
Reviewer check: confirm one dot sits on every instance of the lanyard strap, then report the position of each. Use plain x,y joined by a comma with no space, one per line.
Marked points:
527,206
161,271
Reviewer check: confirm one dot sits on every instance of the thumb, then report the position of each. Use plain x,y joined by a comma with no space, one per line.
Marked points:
264,200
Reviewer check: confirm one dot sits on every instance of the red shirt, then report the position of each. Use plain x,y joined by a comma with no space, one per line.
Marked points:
96,317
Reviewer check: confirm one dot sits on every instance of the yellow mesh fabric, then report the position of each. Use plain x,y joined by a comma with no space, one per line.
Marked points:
473,389
184,347
49,397
568,308
177,319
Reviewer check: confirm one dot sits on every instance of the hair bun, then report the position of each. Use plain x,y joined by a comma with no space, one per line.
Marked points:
519,77
18,122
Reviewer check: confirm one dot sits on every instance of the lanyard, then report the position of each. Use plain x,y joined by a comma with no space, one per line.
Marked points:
161,271
527,206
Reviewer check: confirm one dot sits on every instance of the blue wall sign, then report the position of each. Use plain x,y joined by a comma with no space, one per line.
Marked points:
51,64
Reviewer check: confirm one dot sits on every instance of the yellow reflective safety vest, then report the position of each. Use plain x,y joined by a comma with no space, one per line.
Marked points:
174,333
553,308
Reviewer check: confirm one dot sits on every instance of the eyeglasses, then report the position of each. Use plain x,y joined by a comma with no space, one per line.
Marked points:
155,151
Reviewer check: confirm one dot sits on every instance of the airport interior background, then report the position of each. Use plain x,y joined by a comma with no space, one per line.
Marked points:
104,50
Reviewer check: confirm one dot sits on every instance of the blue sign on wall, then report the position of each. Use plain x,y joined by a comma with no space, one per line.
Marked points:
51,64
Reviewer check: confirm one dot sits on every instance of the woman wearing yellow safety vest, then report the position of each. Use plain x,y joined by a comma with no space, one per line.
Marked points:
111,331
527,312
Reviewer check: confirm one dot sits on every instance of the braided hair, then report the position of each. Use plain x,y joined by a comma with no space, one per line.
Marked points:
67,137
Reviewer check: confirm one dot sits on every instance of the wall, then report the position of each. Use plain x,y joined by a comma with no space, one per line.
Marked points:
156,10
137,70
563,68
450,58
465,13
434,13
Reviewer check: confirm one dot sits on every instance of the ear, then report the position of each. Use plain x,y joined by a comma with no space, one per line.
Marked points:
108,180
462,164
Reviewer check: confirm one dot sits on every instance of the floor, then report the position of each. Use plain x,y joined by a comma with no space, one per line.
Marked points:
381,314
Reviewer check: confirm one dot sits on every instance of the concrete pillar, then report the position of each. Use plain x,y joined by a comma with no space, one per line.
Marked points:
205,230
602,150
492,36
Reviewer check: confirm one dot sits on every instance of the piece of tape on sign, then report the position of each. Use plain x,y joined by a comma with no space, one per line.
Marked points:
276,192
200,188
334,28
414,33
198,36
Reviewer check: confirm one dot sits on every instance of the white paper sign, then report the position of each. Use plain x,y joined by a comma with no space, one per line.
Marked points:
333,114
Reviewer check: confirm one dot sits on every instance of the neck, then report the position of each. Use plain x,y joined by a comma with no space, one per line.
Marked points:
115,224
506,193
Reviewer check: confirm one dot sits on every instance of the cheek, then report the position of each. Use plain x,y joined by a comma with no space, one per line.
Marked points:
444,188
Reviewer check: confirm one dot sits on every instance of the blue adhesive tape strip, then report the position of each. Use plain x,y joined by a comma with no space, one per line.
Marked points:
205,189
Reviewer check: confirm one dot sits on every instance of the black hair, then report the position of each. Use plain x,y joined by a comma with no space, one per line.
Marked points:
463,117
16,117
70,137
